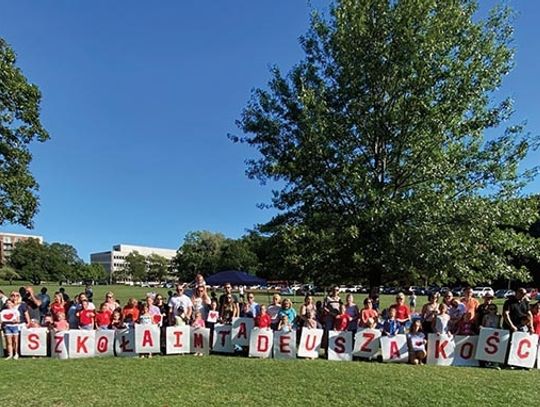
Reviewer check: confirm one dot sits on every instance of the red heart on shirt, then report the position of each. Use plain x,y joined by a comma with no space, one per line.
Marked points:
419,343
8,317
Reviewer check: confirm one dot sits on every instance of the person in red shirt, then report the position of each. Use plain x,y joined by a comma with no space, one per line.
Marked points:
263,320
342,321
103,317
130,313
58,305
403,313
368,313
535,311
86,316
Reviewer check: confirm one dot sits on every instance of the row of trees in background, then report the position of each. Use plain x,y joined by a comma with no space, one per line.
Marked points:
295,254
33,261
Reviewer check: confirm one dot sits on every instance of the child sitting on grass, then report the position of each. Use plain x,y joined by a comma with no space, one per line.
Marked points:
416,341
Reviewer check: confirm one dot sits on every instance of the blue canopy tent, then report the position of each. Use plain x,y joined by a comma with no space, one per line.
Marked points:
235,278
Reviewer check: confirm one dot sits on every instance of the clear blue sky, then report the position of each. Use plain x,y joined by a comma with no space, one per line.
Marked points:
139,98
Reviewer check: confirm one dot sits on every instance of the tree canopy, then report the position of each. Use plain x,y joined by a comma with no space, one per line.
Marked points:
35,262
19,125
395,156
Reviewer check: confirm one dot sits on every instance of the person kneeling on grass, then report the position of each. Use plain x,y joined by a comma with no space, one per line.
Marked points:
416,341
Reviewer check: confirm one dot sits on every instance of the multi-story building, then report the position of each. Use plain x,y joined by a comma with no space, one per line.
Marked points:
8,241
114,260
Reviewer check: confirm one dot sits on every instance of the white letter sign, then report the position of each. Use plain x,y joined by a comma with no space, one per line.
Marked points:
340,345
394,348
34,342
261,342
178,339
310,343
366,343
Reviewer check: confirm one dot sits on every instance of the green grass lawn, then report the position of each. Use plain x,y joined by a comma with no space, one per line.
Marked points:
218,380
221,380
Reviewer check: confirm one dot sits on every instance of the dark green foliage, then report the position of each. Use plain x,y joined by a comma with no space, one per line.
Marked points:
379,139
19,125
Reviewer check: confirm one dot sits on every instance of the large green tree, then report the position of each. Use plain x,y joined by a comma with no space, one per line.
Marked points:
135,266
35,261
19,125
158,267
396,159
199,253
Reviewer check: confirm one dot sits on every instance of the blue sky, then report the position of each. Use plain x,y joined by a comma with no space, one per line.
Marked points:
139,100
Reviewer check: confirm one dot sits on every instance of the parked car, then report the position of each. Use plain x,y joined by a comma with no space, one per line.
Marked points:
504,293
307,289
480,291
286,291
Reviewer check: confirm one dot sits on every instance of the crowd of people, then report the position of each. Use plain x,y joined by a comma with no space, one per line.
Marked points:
443,313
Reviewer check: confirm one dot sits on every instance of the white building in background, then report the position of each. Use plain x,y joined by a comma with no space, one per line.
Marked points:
114,260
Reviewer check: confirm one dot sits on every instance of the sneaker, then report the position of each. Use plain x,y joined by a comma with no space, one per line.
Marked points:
16,356
9,357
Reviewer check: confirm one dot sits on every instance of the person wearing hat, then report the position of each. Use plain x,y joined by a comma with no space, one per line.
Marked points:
483,308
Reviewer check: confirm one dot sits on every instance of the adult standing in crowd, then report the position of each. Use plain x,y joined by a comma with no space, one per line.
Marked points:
516,313
64,294
306,309
368,313
483,309
3,299
21,306
89,293
250,309
227,288
287,310
228,310
470,303
110,302
273,310
153,309
331,306
45,302
180,305
201,300
429,312
58,305
33,303
352,310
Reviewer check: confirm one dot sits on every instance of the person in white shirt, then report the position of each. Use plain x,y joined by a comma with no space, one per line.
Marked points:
180,305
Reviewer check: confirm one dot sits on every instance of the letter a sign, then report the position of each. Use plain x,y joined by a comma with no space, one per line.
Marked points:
147,338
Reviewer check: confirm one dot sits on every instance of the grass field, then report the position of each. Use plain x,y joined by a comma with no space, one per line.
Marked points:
219,380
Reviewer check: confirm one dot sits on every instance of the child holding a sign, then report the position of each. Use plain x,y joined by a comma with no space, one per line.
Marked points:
416,340
10,324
